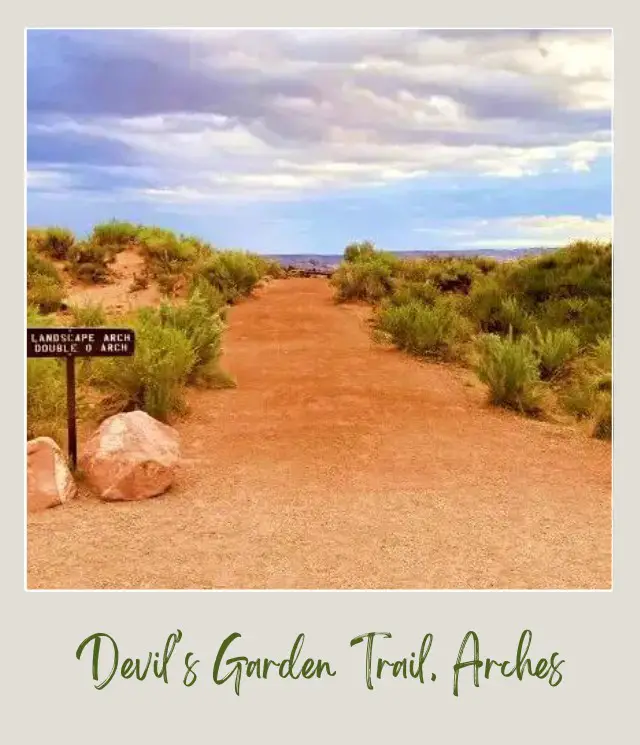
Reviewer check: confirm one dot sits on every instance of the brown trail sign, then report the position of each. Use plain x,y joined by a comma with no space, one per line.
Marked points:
78,342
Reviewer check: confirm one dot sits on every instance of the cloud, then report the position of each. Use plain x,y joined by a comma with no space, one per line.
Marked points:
269,114
539,230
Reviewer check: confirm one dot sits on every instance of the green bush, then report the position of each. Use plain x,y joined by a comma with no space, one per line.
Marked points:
114,234
232,273
46,399
89,262
554,349
495,311
405,292
485,264
445,273
369,280
509,367
214,299
46,391
38,265
89,315
171,260
57,242
36,238
601,355
588,392
168,282
359,251
431,331
140,281
45,293
485,304
153,379
603,424
203,330
453,275
272,268
165,250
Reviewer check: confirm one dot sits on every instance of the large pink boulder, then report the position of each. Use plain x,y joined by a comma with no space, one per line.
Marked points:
49,481
131,456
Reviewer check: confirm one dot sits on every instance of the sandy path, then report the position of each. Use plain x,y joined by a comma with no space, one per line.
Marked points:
117,295
337,463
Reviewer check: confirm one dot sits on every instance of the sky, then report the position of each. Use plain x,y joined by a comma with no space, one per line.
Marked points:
301,141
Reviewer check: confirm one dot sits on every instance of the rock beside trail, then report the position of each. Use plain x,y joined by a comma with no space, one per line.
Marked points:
131,456
49,480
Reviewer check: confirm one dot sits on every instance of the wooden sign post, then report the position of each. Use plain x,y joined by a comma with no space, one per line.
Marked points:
78,342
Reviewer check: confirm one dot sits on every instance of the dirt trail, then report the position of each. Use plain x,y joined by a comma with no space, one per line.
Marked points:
337,463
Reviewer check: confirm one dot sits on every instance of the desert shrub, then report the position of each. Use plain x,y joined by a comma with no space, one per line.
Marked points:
153,379
36,318
168,282
90,273
405,292
38,265
581,270
46,399
169,258
485,304
45,293
579,396
203,330
485,264
603,424
195,247
232,273
418,271
430,331
114,233
445,274
57,242
569,287
494,310
89,262
359,250
89,315
165,250
510,317
46,390
369,280
554,349
509,367
36,239
214,299
453,276
590,385
272,268
139,282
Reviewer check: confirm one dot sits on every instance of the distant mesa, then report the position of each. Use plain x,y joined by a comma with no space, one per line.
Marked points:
309,265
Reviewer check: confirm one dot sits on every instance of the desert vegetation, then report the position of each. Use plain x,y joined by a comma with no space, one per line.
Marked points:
178,341
537,330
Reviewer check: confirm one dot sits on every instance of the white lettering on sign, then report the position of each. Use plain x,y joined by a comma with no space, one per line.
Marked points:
74,342
61,349
64,338
123,337
114,347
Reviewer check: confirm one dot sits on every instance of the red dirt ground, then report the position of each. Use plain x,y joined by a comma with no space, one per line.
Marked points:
116,295
338,463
